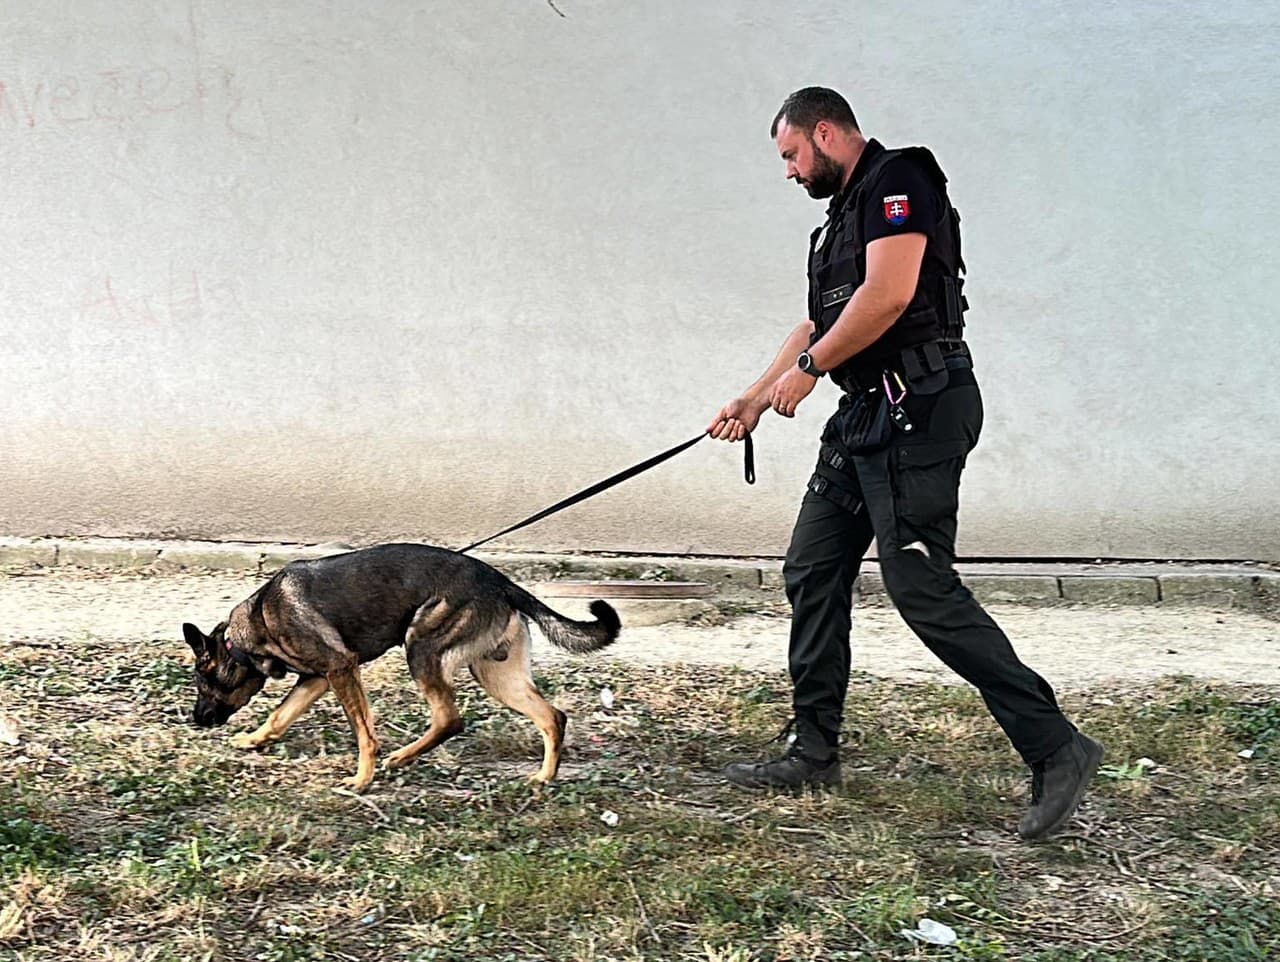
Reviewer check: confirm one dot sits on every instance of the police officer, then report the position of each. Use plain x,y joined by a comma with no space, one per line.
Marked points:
886,318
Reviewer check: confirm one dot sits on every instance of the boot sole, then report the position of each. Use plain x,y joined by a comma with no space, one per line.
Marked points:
817,784
1090,771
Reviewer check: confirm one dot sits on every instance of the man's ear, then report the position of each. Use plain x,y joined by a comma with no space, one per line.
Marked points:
195,638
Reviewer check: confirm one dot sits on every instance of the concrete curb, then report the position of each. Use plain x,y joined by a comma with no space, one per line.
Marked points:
1238,586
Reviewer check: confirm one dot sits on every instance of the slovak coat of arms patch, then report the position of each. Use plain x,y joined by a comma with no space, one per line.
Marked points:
897,209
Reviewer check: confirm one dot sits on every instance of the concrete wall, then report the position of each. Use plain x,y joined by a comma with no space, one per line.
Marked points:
295,272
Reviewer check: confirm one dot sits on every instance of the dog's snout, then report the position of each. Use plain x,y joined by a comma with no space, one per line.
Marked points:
205,716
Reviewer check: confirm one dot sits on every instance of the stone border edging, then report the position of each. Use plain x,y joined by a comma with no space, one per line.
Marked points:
1241,586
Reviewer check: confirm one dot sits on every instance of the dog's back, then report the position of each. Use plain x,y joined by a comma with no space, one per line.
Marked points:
369,597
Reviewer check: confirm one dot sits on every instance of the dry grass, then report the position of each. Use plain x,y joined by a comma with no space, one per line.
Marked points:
128,835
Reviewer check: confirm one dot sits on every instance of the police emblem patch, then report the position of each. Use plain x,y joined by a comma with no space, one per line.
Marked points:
897,209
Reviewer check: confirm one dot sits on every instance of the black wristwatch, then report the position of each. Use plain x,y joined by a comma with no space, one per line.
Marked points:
805,363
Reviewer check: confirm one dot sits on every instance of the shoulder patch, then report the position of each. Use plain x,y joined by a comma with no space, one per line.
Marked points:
897,208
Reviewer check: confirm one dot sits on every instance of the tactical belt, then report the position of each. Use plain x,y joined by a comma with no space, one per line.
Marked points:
914,363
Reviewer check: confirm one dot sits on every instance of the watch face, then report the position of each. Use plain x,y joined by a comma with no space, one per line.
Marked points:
804,361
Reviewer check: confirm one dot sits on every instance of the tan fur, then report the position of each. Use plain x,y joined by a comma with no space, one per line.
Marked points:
510,682
304,695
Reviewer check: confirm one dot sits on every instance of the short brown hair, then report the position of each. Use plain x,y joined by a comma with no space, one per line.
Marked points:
808,105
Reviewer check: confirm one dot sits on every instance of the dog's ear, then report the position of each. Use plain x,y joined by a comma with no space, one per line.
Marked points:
195,638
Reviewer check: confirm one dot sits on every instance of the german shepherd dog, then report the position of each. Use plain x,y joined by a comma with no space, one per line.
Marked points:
322,619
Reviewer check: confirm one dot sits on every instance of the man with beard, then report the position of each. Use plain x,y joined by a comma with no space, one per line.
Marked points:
886,322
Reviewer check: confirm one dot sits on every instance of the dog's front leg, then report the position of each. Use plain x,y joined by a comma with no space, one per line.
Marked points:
295,704
346,685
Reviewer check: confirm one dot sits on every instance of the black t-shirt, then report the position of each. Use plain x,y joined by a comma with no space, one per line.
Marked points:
901,200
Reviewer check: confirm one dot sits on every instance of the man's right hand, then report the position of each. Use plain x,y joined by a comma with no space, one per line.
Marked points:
736,419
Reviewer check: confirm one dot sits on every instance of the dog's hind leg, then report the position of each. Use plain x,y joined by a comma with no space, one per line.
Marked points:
295,704
510,681
435,629
446,721
346,685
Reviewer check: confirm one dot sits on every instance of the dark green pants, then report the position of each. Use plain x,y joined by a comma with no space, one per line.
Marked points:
907,497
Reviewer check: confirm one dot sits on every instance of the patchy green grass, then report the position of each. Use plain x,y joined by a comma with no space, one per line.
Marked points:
126,834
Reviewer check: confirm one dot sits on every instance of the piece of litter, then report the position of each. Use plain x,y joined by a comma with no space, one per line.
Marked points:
927,930
369,919
9,730
464,858
606,697
1246,754
1145,763
1053,882
609,818
1103,701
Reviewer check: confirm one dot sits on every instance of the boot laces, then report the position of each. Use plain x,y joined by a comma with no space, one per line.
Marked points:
787,736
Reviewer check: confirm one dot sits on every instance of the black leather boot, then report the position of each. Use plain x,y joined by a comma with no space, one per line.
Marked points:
810,761
1058,784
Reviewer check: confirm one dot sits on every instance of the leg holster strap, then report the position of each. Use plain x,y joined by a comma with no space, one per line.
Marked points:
831,481
828,454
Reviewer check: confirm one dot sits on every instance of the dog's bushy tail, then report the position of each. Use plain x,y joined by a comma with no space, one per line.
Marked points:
575,636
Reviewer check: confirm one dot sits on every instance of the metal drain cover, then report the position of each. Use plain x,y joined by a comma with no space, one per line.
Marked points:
665,590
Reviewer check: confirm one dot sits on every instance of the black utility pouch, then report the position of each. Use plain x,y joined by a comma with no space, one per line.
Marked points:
924,369
928,376
861,424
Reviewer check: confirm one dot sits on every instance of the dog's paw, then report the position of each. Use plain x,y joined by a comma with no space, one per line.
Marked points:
357,783
398,759
246,741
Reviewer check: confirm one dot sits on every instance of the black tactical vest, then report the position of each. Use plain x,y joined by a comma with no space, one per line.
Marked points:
838,266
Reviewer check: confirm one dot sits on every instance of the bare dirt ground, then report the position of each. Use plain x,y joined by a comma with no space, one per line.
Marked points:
1073,646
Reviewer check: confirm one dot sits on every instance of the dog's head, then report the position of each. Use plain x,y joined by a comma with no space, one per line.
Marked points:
224,684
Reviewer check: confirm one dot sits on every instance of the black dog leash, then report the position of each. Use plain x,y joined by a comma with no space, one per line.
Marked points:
748,471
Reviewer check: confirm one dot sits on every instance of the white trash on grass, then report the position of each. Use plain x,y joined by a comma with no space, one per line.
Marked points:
935,933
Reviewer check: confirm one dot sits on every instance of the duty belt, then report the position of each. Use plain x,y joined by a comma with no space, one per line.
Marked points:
913,362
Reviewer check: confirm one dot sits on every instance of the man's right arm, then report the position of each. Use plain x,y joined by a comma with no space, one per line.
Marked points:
742,414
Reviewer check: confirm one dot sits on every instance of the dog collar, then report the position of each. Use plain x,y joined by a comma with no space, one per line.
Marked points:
240,657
